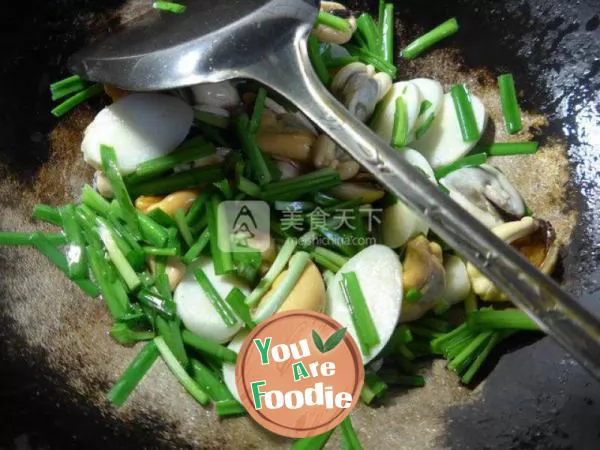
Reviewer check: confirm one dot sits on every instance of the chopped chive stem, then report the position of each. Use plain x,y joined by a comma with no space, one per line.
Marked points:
359,311
510,104
468,161
413,295
170,331
342,61
256,157
337,240
509,148
236,299
118,258
403,350
387,33
76,256
179,372
50,251
134,373
483,355
313,442
334,257
67,86
77,99
124,335
95,201
66,82
153,251
422,331
190,179
324,262
278,295
370,33
217,302
47,214
209,382
349,436
404,380
424,127
162,218
175,8
164,307
470,352
425,105
220,242
440,341
464,113
152,232
194,214
111,170
373,388
207,347
98,268
196,249
189,151
499,320
318,63
248,187
419,45
281,260
295,187
25,238
400,129
329,20
374,59
183,226
259,107
228,408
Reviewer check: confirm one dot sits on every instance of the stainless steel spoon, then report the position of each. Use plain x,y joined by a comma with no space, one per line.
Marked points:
265,40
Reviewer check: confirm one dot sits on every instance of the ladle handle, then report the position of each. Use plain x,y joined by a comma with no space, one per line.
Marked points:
290,73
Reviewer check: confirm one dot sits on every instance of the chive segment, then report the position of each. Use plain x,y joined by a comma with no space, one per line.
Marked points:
256,157
510,104
236,300
172,7
335,22
509,148
314,52
468,161
25,238
293,188
207,347
215,299
190,179
77,99
227,408
400,129
134,373
359,311
349,436
387,33
488,319
259,107
48,214
419,45
464,113
313,442
179,372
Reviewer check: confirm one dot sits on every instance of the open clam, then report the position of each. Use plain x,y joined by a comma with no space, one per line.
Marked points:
534,238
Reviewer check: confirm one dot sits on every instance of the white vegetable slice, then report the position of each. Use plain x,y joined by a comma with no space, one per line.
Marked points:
458,284
399,223
433,92
140,127
443,144
195,309
383,124
221,95
229,369
379,273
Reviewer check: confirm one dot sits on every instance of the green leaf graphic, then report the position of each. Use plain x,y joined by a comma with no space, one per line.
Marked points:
334,340
318,341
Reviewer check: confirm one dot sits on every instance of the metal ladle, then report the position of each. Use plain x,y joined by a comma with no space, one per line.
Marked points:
265,40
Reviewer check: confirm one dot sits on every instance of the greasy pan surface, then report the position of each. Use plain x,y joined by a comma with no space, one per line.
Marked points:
56,361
